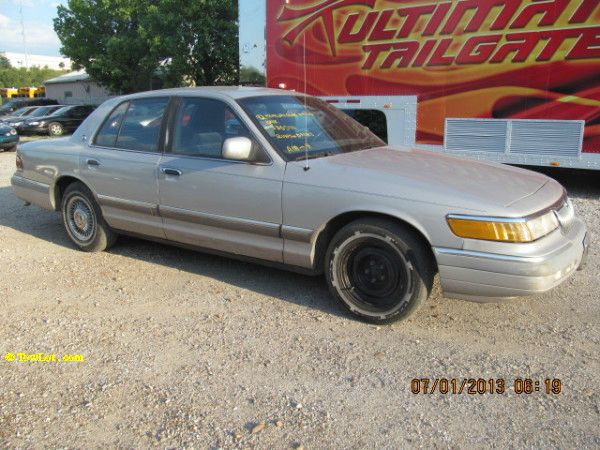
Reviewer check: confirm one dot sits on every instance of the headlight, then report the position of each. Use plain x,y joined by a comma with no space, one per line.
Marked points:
16,124
12,132
504,230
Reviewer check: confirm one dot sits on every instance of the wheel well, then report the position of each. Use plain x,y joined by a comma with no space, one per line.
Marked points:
60,187
339,222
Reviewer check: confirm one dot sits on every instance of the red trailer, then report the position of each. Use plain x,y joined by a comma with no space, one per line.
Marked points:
514,81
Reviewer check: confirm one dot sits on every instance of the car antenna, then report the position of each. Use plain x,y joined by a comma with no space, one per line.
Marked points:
306,166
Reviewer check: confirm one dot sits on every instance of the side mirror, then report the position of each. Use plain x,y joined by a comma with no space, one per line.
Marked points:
237,148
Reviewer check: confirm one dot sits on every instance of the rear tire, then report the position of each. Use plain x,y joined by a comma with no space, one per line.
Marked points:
379,270
83,220
55,129
11,149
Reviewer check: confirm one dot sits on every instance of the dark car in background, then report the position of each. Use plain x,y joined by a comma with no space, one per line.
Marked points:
61,121
19,113
8,138
39,112
12,105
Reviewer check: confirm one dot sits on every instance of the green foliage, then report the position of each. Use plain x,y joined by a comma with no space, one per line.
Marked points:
107,38
4,62
13,77
199,39
127,44
251,75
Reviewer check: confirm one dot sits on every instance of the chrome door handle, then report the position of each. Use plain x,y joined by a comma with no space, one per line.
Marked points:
170,171
92,162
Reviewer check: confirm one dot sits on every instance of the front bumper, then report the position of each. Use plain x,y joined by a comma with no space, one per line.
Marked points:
485,276
8,141
35,129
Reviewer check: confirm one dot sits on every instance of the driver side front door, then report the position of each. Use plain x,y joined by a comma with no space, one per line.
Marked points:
211,202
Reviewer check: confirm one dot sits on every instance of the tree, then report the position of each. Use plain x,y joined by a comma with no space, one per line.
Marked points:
22,77
4,62
251,75
126,44
108,39
199,41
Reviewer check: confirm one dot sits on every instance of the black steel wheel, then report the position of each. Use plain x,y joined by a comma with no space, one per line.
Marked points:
379,270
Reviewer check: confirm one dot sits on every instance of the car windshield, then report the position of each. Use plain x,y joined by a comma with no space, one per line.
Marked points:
43,111
315,129
21,112
7,107
61,111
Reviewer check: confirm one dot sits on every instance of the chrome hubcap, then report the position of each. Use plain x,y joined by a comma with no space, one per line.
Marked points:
80,219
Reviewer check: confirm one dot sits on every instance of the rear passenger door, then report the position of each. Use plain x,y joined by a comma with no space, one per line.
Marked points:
211,202
121,163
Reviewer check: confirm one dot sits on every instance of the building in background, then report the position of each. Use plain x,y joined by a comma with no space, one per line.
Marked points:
20,60
76,88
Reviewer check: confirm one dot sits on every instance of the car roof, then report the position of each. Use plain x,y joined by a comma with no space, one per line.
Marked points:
234,92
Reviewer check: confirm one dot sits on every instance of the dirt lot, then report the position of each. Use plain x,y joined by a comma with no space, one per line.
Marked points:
188,350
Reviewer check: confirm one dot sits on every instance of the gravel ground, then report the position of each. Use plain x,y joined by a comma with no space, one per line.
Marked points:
188,350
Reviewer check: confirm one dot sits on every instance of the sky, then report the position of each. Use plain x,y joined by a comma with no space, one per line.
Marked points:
40,38
252,33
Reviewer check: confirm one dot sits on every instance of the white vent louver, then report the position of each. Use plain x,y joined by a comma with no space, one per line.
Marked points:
524,137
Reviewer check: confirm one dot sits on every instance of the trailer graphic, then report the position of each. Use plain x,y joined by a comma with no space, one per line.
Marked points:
508,80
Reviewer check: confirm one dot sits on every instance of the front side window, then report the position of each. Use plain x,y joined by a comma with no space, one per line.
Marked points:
306,126
202,125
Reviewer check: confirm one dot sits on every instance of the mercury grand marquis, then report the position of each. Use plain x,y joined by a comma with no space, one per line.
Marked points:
286,179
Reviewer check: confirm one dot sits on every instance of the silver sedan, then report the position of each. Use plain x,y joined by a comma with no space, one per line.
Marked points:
286,179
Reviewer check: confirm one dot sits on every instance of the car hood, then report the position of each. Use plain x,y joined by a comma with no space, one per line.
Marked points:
435,178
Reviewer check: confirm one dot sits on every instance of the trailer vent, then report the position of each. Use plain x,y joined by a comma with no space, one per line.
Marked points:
546,137
476,135
519,137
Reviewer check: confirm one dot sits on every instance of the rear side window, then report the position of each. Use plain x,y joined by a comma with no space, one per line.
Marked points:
373,119
107,136
141,127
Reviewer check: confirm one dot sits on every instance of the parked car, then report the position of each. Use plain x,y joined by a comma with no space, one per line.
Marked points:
19,113
12,105
61,121
41,111
299,184
8,138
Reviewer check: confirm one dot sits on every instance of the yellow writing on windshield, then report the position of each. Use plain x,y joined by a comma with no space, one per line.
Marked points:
264,117
298,148
305,134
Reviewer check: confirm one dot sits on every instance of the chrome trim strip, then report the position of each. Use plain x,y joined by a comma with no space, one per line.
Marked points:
130,205
487,218
212,220
558,204
296,234
26,183
484,255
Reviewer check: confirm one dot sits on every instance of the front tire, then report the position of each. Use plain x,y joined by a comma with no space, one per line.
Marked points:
379,270
55,129
83,220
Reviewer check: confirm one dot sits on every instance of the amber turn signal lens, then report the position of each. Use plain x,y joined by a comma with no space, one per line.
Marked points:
509,231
